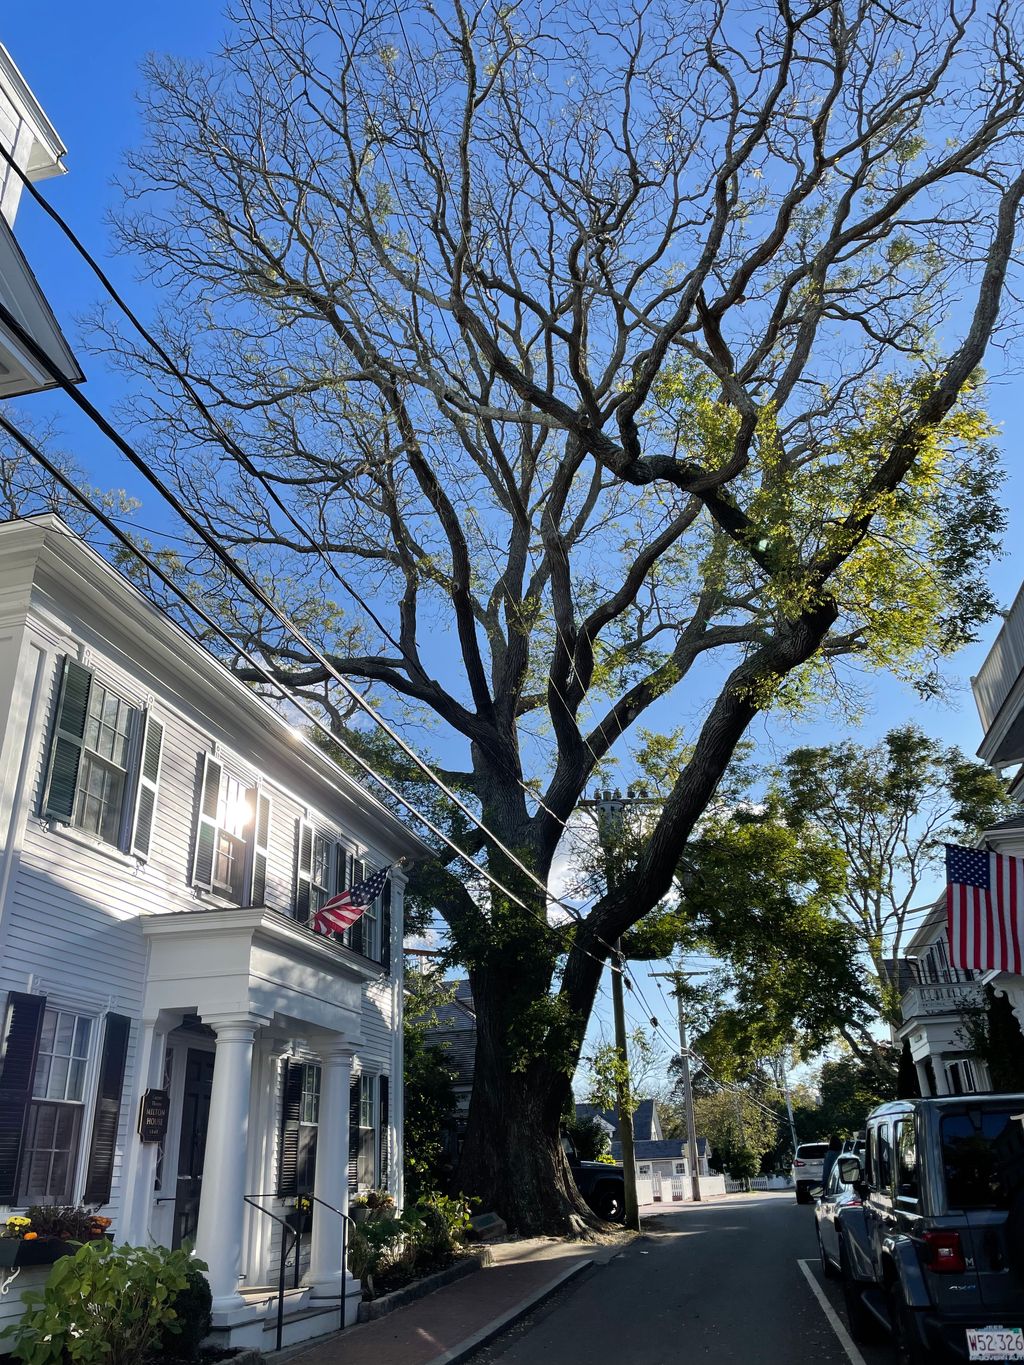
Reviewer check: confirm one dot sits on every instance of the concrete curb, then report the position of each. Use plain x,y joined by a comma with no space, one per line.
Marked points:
372,1309
495,1328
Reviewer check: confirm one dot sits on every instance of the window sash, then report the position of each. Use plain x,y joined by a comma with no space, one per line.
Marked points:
63,1057
50,1157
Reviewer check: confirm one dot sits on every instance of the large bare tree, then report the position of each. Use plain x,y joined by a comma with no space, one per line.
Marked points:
619,357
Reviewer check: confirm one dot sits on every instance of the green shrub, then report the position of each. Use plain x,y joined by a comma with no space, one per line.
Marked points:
105,1305
180,1339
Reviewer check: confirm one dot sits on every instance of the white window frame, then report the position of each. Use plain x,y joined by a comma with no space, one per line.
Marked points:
65,1005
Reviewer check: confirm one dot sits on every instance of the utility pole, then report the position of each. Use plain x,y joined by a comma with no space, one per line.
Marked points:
789,1104
608,807
678,977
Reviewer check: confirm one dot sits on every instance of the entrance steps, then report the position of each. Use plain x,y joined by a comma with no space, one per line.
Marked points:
304,1318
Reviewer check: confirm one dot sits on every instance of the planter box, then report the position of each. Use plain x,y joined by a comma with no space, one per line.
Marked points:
300,1220
15,1251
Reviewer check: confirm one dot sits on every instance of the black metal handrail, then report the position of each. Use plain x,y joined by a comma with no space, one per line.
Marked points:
345,1220
286,1231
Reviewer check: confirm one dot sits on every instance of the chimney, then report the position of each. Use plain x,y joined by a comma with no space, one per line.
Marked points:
26,134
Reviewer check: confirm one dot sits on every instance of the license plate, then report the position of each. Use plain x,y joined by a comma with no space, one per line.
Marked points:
995,1343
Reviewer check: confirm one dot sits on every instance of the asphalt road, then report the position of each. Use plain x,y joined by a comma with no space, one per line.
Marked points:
720,1282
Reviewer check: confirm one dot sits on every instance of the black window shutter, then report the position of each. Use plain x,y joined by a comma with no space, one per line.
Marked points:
303,869
353,1136
383,1133
18,1050
307,1158
68,739
355,941
108,1109
385,926
291,1108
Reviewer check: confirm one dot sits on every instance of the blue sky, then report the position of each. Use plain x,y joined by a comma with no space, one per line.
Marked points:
83,64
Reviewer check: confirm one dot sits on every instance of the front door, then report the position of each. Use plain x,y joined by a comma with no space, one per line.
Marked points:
195,1116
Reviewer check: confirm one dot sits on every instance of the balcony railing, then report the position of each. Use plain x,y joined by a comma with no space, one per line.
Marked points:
1003,665
940,997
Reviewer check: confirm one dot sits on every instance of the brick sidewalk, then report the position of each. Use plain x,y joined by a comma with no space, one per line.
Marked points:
451,1322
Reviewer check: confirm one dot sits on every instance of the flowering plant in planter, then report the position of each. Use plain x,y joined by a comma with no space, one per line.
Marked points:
47,1232
300,1216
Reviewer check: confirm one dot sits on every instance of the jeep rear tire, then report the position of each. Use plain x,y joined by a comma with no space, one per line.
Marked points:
864,1326
610,1203
905,1339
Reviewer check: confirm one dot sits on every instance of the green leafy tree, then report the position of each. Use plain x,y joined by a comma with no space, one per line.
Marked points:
889,808
850,1087
589,1137
429,1099
603,361
737,1126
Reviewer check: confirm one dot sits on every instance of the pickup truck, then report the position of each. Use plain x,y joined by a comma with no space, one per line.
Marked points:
933,1252
601,1184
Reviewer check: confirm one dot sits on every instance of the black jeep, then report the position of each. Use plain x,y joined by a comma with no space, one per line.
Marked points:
934,1253
601,1184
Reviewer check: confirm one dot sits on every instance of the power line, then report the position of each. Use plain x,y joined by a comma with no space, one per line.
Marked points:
245,578
106,521
232,566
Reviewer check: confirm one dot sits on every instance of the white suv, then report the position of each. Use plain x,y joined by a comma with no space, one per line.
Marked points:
807,1166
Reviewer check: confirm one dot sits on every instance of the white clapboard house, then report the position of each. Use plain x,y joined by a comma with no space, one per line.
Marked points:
165,837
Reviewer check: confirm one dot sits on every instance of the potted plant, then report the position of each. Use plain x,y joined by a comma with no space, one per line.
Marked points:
47,1232
300,1218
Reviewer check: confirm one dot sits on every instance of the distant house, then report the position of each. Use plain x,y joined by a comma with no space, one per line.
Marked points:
664,1157
455,1033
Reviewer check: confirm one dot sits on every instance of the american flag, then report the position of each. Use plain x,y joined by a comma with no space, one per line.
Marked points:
985,905
345,908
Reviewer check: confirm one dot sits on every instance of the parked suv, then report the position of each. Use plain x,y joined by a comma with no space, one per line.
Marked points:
807,1167
601,1184
935,1252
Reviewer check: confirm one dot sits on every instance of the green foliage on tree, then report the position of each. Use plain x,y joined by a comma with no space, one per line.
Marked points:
429,1093
739,1130
849,1089
993,1034
888,808
589,1137
606,1070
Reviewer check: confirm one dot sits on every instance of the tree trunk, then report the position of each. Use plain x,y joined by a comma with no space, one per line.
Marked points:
512,1160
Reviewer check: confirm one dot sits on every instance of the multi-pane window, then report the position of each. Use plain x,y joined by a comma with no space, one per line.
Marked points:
102,776
371,929
367,1162
234,823
320,873
309,1118
55,1116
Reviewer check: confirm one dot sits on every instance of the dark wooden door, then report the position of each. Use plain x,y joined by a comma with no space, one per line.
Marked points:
195,1117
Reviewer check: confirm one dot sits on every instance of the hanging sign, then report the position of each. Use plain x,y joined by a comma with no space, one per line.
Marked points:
153,1115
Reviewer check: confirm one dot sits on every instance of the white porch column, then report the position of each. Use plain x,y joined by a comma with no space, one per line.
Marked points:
326,1274
922,1079
221,1204
941,1079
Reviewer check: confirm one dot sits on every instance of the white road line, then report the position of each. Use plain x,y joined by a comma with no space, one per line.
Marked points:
834,1320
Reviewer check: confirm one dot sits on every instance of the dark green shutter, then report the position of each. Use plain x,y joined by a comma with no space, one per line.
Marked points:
108,1110
68,741
303,869
385,926
18,1051
291,1109
353,1135
206,824
261,842
145,795
355,932
383,1133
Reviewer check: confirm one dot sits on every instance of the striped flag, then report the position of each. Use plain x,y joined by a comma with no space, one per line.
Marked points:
345,908
985,906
